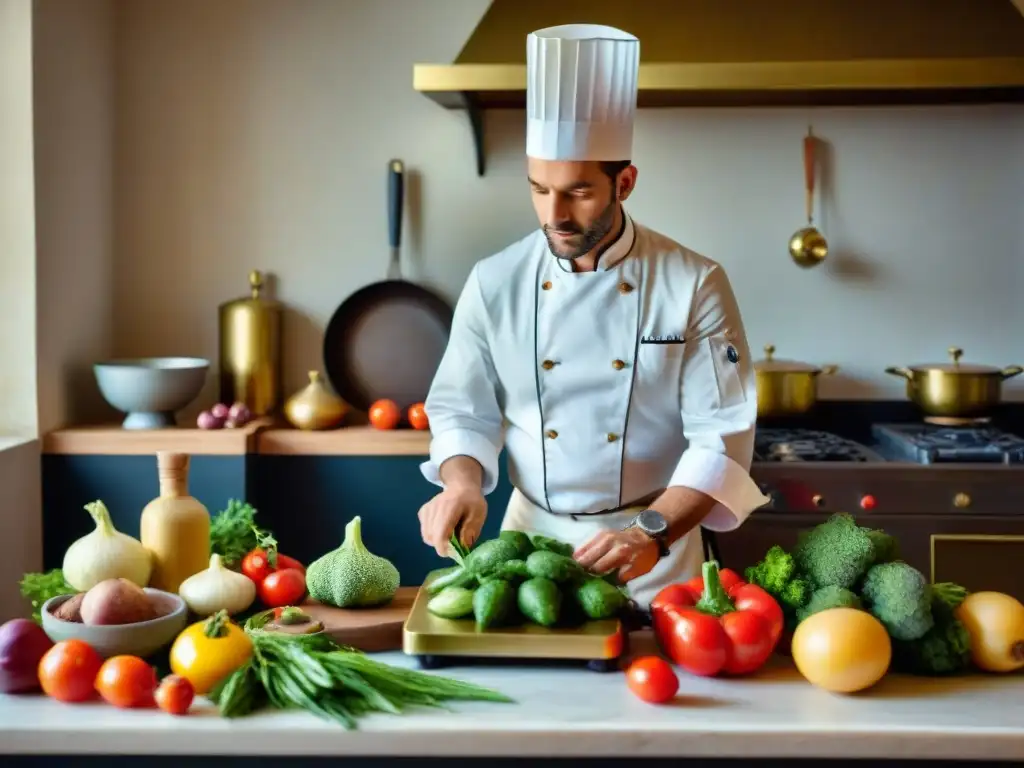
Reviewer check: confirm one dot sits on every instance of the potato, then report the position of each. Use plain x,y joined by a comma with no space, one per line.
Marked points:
116,601
70,609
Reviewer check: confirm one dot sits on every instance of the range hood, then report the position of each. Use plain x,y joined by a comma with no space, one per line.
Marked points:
757,53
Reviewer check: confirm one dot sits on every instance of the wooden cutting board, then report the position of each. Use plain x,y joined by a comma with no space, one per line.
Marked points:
368,629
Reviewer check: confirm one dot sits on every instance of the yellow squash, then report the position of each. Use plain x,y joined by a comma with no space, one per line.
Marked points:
208,651
842,650
995,622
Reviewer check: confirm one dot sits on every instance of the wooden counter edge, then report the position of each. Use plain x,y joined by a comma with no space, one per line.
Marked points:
113,440
345,441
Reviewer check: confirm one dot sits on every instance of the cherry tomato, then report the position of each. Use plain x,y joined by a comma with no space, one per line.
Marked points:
67,672
652,679
417,416
256,565
126,681
284,587
283,561
384,414
174,695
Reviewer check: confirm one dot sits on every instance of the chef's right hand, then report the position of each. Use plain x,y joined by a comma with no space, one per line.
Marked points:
462,507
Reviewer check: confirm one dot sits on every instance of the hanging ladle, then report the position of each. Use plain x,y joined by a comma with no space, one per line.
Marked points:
808,246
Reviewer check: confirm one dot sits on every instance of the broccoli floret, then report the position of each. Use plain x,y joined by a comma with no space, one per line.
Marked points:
886,548
835,553
899,596
795,594
824,598
774,572
945,649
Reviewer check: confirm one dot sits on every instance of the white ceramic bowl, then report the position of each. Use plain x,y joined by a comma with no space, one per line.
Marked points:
141,638
151,389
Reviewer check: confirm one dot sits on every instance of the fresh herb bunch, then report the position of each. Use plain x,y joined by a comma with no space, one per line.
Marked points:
233,532
338,684
37,588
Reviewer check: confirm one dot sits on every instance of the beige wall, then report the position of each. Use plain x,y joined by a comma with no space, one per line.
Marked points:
255,133
17,231
56,81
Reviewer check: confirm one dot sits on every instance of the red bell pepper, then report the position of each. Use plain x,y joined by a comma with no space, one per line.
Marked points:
715,631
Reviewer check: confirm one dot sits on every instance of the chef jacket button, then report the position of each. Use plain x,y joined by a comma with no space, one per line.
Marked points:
546,285
547,365
612,437
552,434
618,365
625,288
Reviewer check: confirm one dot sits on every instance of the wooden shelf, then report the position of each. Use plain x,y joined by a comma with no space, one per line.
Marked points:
113,440
346,441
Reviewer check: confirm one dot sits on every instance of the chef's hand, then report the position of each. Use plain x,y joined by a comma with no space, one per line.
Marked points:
442,514
632,552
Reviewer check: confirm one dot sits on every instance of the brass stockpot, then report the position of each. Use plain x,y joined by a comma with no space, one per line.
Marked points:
250,350
955,390
787,387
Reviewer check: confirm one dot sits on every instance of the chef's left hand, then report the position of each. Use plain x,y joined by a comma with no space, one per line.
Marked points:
632,552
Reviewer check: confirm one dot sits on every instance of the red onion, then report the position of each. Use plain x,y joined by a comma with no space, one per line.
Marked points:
220,411
22,644
239,415
207,420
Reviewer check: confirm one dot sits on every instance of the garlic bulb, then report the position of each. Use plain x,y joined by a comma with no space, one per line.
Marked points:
106,553
217,589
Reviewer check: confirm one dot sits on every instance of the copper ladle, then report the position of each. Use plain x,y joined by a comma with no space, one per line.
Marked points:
808,246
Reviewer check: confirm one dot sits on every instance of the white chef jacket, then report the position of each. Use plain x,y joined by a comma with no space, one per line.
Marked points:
604,387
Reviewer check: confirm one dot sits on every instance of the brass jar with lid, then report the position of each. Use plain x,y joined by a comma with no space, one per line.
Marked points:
250,350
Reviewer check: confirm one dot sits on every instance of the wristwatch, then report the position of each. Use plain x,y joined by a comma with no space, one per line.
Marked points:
654,524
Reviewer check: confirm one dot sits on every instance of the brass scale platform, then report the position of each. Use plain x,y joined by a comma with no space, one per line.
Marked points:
436,641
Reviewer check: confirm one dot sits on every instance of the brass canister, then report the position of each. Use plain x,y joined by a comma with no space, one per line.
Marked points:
250,350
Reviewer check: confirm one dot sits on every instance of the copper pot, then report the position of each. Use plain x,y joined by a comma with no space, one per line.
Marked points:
786,387
955,391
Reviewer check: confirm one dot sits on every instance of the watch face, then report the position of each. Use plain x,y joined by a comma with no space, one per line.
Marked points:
652,522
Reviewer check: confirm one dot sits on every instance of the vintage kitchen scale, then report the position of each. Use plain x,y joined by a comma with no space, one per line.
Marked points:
437,642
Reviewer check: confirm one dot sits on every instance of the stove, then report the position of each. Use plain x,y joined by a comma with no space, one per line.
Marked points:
933,444
791,445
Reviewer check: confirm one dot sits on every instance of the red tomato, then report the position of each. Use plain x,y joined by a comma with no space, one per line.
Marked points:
284,587
283,561
67,672
750,642
126,681
652,679
256,565
417,416
384,414
751,598
695,641
174,695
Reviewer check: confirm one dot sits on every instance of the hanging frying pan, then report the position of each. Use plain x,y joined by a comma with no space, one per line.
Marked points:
386,340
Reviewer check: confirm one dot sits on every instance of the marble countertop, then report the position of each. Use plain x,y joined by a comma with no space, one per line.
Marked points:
570,712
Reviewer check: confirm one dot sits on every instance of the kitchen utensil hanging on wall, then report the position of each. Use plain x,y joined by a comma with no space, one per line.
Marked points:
808,246
386,340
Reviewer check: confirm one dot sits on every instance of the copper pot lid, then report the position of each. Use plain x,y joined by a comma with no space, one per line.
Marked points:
772,365
955,353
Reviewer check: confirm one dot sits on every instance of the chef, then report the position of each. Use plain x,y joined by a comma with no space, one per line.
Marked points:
609,361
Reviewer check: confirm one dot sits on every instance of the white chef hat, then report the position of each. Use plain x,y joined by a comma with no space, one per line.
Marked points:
581,92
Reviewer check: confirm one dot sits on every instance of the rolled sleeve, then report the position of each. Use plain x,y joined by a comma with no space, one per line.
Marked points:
719,407
462,406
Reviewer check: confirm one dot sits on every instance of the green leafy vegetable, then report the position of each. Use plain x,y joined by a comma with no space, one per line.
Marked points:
337,684
37,588
233,532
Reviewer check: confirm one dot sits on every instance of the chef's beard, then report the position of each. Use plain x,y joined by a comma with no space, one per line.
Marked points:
584,240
